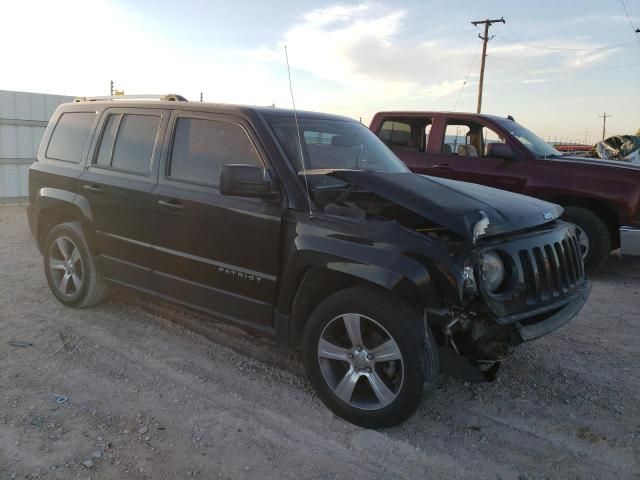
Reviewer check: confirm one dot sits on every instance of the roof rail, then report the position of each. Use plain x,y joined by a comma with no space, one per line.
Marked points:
171,97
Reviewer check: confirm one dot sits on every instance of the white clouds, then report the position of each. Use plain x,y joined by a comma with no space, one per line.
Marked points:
363,52
352,59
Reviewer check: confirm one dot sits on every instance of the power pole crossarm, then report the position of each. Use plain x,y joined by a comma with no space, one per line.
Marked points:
604,117
487,23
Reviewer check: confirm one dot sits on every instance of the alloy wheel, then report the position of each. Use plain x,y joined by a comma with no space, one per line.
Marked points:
360,361
65,266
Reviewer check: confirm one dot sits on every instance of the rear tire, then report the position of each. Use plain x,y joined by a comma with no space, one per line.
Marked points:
369,357
71,270
598,246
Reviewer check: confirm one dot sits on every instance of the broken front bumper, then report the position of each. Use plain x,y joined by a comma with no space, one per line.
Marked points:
530,330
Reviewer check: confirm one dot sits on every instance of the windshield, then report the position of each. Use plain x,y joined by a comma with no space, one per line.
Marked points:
535,144
333,144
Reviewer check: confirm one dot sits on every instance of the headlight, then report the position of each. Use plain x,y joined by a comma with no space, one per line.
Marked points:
492,272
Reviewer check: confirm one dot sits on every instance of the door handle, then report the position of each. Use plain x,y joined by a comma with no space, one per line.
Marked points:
171,204
92,189
443,166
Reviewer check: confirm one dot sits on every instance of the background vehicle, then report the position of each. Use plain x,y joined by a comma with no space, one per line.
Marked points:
601,197
306,228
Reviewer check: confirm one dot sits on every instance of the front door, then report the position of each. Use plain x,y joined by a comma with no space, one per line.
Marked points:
120,174
211,251
461,153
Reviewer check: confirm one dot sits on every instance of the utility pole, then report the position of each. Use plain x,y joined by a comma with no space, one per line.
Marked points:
604,117
201,97
111,88
487,23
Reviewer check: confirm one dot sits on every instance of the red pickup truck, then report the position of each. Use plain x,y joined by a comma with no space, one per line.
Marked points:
602,198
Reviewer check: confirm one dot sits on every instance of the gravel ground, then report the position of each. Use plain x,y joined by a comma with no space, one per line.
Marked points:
156,392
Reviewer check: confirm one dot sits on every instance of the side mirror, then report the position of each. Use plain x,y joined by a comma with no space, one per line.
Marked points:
245,181
500,150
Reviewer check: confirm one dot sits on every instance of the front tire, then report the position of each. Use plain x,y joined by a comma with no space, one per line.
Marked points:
71,269
369,357
593,236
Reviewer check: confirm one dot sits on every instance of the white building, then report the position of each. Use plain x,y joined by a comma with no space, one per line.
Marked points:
23,118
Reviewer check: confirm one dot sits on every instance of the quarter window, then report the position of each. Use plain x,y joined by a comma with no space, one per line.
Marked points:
201,147
128,141
70,136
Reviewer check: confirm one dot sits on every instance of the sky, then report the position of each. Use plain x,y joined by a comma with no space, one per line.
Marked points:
554,65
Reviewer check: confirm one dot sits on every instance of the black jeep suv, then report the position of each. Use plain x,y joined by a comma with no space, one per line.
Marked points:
306,228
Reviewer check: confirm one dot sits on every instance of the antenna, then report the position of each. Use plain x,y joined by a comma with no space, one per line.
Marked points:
295,115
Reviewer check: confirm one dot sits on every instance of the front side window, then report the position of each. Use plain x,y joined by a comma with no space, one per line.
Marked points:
70,136
457,140
468,139
128,141
201,147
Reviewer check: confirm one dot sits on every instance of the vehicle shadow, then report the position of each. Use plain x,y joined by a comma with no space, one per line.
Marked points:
618,267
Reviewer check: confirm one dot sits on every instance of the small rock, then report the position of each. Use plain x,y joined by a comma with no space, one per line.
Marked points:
247,468
88,464
125,431
143,430
96,454
147,438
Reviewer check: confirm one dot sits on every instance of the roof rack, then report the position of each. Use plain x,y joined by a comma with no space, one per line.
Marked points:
171,97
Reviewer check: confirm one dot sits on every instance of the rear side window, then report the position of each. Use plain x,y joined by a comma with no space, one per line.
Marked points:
396,134
128,141
70,136
201,147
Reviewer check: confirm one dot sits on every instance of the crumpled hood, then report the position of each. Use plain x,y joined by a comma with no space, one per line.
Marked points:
455,205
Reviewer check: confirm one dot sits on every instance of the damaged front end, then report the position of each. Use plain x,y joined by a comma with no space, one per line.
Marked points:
542,287
518,270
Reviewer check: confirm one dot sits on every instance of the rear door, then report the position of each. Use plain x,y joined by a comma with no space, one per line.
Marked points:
460,153
211,251
120,174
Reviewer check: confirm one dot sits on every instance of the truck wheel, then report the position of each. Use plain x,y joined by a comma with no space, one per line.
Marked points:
369,358
71,270
593,236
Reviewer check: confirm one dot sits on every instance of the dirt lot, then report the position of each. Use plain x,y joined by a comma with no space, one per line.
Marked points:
151,399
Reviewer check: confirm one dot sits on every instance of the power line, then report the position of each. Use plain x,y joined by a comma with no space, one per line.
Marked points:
563,49
633,27
473,60
485,38
550,69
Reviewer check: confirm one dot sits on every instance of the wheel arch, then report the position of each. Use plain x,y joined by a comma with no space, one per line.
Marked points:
606,212
317,282
59,206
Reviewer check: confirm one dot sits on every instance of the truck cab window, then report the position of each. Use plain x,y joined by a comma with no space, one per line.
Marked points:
489,136
468,139
410,134
458,141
